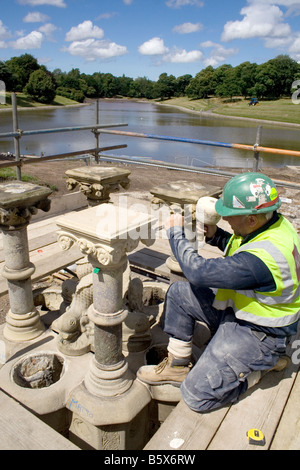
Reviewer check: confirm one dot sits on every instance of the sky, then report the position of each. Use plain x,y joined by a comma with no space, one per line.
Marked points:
144,38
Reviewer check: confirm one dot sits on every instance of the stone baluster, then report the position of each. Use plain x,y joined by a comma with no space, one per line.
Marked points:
18,202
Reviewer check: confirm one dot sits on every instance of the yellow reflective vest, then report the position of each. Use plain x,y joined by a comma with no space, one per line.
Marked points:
279,248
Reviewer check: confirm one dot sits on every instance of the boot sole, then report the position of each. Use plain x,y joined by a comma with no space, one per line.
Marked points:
162,382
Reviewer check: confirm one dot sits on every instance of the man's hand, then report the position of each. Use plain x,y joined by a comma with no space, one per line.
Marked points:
174,220
210,230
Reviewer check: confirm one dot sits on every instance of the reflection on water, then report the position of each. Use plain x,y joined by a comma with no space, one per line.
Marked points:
150,119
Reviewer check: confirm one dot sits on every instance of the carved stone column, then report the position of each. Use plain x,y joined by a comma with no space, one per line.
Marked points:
106,234
96,183
18,202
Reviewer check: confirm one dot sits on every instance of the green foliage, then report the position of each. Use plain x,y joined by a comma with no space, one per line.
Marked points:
270,80
20,69
41,87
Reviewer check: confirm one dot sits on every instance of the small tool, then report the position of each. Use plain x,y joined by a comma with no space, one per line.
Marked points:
256,437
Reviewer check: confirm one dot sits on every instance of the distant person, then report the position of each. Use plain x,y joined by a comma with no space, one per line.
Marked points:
249,299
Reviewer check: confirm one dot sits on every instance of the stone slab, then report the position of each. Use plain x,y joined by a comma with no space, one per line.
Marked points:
184,192
107,223
21,194
98,175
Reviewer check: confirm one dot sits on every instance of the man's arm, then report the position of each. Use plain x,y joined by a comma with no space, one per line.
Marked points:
241,271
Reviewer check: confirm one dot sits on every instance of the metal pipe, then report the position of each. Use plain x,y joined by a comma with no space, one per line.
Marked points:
193,169
59,156
71,154
96,132
257,144
20,133
17,137
254,148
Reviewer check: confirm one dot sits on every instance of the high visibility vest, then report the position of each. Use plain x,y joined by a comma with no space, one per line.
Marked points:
279,248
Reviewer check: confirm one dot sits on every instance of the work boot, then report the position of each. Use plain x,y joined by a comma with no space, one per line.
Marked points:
255,376
282,363
169,371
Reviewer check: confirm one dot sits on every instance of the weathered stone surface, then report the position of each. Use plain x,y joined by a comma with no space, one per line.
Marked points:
97,183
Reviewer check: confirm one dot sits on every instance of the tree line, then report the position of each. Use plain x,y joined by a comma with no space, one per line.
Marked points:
270,80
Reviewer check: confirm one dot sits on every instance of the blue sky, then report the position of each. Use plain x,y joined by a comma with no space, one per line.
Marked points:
144,38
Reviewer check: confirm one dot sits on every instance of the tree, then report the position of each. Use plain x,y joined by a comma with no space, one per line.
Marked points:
265,81
286,70
41,86
202,85
245,75
21,68
6,76
142,87
181,84
229,86
165,86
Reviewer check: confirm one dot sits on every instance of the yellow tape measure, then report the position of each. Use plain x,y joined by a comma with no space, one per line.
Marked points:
256,437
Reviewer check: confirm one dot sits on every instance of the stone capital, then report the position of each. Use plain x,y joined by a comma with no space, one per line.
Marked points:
105,233
19,201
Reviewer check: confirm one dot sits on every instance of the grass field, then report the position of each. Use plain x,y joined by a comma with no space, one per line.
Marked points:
25,102
283,110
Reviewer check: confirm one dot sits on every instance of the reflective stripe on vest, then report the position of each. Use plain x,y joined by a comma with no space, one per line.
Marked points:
274,309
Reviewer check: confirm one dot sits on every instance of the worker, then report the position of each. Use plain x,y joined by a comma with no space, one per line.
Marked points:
249,298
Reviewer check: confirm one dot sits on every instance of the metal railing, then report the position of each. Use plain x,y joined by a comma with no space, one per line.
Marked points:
98,129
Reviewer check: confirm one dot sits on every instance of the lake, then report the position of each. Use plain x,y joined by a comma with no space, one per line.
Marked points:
150,118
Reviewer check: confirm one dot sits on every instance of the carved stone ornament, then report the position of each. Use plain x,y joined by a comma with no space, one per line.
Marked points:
20,200
103,254
97,183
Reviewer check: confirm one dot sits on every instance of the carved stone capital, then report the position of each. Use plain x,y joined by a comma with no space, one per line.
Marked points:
98,253
97,183
19,201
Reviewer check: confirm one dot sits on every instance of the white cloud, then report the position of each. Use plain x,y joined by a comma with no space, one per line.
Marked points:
183,3
48,30
294,49
187,28
31,41
181,56
85,30
92,49
35,17
127,2
263,20
53,3
154,46
218,53
4,33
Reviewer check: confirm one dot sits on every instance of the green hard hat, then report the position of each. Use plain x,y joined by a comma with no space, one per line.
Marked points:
248,193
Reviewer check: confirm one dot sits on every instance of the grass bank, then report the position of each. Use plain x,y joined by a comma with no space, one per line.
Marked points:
282,110
24,101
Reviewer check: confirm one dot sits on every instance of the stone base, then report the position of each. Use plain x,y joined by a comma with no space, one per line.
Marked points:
127,436
48,399
24,327
107,410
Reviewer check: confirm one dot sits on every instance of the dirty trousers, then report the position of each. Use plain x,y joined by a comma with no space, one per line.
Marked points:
219,376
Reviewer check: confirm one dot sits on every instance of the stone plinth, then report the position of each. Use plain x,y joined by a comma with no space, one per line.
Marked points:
98,183
18,202
182,197
106,234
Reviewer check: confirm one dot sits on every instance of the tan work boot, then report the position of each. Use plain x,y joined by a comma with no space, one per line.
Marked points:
282,363
169,371
255,376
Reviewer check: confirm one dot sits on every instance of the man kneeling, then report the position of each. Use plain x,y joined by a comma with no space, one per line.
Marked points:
249,299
